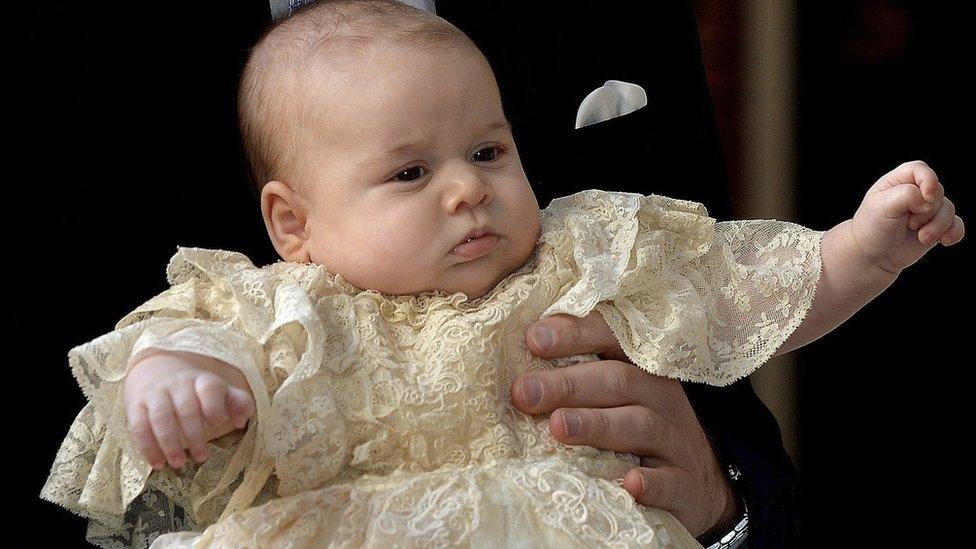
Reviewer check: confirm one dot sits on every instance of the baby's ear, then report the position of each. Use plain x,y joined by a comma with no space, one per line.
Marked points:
285,216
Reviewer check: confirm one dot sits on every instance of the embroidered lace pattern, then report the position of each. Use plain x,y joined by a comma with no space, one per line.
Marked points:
386,420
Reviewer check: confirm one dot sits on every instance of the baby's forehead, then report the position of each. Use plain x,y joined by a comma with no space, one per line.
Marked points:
362,58
353,73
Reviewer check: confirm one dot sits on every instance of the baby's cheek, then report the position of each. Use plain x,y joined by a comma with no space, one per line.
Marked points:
528,235
396,258
402,243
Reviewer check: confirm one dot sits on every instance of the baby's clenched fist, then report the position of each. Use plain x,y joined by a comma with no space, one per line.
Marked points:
181,400
903,215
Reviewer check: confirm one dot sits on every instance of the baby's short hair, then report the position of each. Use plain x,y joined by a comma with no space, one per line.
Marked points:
270,81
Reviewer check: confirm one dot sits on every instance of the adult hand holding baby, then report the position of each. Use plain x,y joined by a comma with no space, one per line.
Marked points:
177,400
613,405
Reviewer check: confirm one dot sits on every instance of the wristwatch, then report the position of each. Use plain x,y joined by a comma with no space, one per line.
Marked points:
735,538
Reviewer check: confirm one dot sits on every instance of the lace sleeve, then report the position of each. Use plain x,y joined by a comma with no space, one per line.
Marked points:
218,305
687,297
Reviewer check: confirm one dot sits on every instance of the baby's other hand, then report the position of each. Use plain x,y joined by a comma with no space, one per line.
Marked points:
904,215
177,400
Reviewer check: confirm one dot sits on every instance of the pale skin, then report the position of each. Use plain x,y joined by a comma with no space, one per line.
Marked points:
179,402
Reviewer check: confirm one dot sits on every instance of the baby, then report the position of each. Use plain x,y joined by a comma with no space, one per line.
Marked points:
358,393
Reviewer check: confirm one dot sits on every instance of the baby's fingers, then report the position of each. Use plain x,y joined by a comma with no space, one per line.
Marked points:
932,189
939,225
241,405
191,424
955,232
166,429
917,173
212,393
142,436
898,201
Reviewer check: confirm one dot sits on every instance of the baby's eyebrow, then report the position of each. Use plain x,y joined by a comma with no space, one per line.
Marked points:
496,125
411,146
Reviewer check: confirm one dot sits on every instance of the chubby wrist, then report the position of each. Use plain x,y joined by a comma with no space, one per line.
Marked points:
841,242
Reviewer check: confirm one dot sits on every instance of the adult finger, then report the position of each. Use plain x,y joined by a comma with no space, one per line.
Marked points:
675,490
660,487
190,421
629,429
142,436
566,335
598,384
165,428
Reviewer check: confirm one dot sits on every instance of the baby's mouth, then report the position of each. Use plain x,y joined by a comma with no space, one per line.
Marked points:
477,243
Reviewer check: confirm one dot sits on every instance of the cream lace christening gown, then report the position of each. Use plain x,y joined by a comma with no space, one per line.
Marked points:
386,421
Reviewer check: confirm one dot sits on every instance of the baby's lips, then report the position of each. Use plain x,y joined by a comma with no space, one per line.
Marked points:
477,247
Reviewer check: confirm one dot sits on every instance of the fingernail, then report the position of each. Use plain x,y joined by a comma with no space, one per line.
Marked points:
542,337
532,390
643,485
572,423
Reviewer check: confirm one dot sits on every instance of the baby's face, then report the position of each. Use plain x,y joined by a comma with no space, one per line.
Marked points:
410,155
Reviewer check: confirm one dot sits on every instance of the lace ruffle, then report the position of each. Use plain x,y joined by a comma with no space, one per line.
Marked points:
686,297
219,305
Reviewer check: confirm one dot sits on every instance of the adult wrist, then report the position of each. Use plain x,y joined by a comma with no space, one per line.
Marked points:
731,529
735,537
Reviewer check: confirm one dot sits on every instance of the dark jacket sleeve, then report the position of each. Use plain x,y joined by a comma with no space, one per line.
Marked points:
546,62
744,433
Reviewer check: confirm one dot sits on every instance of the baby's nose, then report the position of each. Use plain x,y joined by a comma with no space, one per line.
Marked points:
466,186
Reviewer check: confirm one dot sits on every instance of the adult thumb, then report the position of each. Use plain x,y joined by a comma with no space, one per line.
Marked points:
566,335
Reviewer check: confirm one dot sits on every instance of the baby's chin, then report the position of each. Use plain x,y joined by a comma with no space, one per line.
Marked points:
479,290
471,283
474,278
477,280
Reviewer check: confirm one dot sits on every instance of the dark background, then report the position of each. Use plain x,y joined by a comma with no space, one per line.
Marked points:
884,399
125,146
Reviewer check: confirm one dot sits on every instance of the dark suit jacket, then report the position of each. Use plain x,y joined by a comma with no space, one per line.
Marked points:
546,63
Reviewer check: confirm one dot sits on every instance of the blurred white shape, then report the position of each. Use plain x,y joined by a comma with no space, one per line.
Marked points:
615,98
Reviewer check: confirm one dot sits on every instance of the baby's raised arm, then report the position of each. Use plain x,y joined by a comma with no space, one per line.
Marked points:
903,215
177,400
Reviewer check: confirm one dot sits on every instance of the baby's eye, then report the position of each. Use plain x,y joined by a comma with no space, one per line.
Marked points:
494,152
409,174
